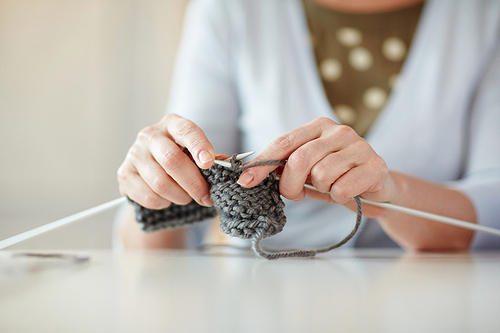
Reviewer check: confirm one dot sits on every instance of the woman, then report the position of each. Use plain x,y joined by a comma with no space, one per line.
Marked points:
247,79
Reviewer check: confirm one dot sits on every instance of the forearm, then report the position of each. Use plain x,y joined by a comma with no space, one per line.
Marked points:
420,234
133,237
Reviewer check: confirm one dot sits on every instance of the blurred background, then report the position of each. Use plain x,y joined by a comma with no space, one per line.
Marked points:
78,80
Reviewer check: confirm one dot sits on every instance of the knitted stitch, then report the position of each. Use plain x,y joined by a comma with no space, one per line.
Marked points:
249,213
171,217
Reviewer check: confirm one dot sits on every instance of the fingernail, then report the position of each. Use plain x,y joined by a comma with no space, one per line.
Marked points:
246,177
204,156
207,201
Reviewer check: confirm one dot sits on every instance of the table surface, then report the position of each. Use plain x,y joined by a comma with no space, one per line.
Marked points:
220,291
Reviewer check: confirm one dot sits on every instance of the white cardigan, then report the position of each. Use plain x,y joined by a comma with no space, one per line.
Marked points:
246,74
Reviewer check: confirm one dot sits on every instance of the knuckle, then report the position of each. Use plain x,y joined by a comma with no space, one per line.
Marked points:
122,174
283,143
196,143
146,133
195,187
172,159
319,173
361,145
322,121
160,185
339,194
298,161
345,131
186,129
152,201
133,153
169,117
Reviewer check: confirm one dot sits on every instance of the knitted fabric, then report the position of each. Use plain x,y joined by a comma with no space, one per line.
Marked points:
249,213
171,217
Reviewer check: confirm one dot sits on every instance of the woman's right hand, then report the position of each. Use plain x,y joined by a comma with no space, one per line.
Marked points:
157,171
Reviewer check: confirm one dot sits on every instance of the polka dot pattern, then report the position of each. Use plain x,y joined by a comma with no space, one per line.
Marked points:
374,98
331,69
359,58
346,114
394,49
349,37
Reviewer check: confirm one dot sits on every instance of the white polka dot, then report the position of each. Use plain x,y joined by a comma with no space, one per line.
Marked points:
374,98
349,36
331,69
346,114
393,80
394,49
360,59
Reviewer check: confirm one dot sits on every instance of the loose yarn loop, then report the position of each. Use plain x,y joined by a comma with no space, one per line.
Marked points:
256,213
263,253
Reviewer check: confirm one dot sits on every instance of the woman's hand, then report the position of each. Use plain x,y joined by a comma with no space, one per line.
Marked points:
333,158
157,172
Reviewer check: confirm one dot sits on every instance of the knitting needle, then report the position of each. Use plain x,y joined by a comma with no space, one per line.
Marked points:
59,223
82,215
425,215
239,157
414,212
111,204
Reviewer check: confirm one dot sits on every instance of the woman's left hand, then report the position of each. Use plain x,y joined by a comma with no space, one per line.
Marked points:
333,158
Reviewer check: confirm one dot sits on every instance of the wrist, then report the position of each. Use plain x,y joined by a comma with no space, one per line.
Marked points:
400,189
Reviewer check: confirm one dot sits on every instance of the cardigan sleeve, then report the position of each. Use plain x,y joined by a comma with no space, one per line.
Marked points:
481,181
203,88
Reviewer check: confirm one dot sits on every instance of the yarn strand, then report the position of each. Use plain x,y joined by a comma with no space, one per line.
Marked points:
269,254
259,235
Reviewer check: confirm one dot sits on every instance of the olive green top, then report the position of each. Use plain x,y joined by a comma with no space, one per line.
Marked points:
359,58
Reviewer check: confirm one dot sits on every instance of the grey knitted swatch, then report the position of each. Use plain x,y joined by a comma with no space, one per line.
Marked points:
249,213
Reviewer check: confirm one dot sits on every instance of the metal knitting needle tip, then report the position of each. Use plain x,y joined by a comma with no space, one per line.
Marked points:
224,163
242,156
239,157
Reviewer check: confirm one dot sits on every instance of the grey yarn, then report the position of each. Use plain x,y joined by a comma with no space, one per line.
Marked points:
171,217
243,211
249,213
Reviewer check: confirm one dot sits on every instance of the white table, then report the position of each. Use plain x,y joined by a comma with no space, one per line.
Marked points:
183,291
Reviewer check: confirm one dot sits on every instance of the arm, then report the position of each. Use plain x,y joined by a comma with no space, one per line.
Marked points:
202,91
335,159
420,234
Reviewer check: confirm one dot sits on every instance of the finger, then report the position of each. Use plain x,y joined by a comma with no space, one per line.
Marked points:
322,160
160,182
181,169
298,167
325,197
297,197
281,148
221,156
324,173
142,193
187,134
354,182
